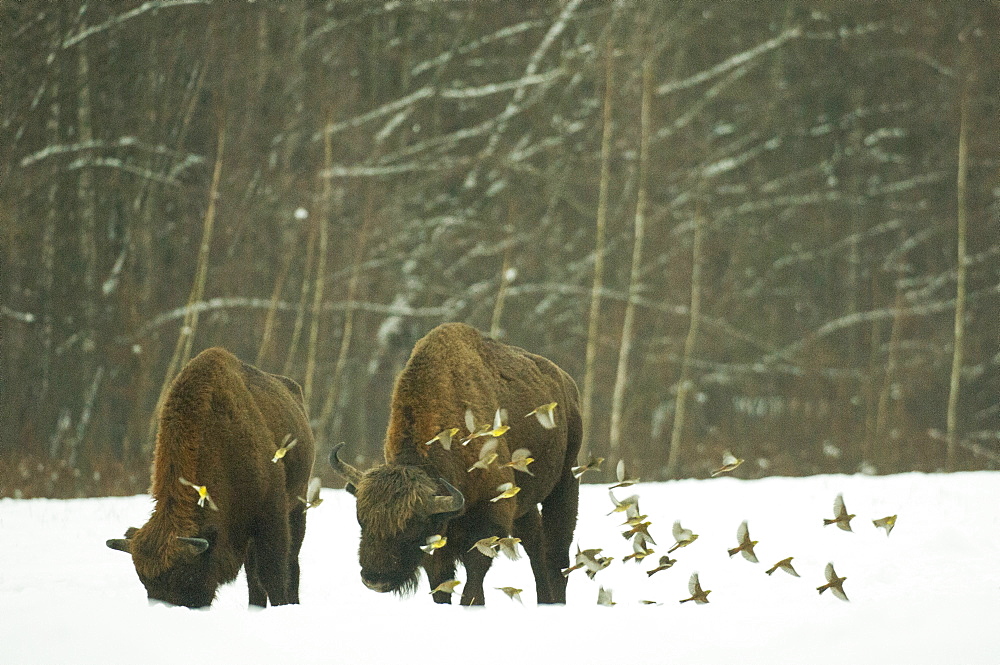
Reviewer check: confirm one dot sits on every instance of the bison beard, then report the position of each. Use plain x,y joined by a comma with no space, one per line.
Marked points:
220,424
423,490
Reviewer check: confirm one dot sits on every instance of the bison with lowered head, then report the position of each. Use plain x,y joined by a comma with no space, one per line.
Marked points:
219,429
426,490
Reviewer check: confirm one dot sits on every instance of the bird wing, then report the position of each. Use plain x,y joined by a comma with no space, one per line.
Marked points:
830,573
694,585
470,420
743,533
488,449
839,510
620,471
520,455
679,532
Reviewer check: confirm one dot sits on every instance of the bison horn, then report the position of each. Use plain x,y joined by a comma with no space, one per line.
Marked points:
199,544
342,467
120,544
452,504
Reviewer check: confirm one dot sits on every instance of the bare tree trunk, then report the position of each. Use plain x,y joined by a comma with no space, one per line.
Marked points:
324,224
300,312
956,360
621,375
684,383
185,339
333,393
505,274
595,292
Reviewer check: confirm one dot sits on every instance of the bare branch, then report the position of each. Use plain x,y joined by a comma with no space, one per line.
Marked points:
121,18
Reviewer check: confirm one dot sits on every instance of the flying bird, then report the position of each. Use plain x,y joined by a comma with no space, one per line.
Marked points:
604,597
885,523
623,479
641,532
520,459
590,561
435,542
665,562
840,516
512,592
203,494
785,565
684,537
629,505
498,428
509,547
285,446
444,436
592,464
729,463
650,602
745,545
487,455
507,490
487,546
639,551
833,583
312,494
545,415
446,587
698,594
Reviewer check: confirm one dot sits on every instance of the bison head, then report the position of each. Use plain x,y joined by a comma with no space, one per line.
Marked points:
177,570
399,508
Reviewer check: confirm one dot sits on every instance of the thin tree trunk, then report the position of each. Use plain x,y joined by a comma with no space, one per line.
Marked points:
182,350
333,393
300,312
505,276
621,375
956,360
324,224
684,383
595,292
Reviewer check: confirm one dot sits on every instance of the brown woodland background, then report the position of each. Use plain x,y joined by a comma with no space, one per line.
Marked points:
737,224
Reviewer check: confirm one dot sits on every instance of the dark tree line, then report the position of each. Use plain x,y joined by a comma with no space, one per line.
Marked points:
762,256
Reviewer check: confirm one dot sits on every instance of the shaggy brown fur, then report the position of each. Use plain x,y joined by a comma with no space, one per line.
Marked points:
219,426
452,368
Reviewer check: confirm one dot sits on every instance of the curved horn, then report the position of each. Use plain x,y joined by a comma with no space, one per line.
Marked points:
342,467
452,504
120,544
199,544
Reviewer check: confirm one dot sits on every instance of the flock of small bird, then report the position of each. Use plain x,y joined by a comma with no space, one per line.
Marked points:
589,560
637,531
488,457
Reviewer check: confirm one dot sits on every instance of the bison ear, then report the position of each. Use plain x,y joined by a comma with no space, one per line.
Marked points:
342,467
351,489
452,504
131,531
198,545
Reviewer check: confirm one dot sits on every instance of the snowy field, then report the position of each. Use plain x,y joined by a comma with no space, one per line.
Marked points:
928,593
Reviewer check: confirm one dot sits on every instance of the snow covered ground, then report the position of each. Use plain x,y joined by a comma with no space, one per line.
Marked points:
928,593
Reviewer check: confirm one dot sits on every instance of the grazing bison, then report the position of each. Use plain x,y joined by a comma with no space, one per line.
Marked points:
220,427
424,490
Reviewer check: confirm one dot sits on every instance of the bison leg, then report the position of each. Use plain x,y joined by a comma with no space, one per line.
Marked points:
258,596
528,528
297,528
476,567
271,545
440,570
558,523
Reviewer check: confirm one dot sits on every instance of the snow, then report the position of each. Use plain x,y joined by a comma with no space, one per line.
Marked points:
928,593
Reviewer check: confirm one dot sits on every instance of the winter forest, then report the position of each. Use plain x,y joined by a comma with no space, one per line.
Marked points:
770,227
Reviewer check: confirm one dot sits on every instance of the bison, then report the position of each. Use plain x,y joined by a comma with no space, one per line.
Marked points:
425,488
221,502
